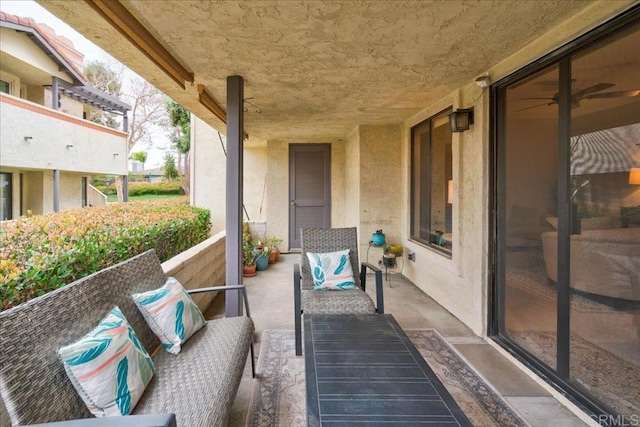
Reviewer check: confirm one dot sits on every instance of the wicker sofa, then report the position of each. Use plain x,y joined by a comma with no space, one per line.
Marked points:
198,385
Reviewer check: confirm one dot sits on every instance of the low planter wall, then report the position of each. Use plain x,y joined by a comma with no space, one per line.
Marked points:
199,267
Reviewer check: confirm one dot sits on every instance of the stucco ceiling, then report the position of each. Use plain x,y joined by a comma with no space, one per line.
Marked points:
315,70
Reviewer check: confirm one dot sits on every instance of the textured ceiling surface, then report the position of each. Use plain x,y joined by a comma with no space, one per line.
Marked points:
314,70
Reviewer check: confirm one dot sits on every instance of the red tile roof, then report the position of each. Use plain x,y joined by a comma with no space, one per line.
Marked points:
62,45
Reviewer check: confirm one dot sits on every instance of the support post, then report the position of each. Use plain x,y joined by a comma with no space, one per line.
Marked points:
235,125
56,190
125,188
125,122
55,93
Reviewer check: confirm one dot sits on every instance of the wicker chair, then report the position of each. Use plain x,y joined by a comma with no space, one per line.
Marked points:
354,301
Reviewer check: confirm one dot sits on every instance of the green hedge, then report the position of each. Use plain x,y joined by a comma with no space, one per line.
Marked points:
42,253
142,188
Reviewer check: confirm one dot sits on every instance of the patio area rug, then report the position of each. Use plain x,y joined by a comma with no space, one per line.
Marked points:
278,396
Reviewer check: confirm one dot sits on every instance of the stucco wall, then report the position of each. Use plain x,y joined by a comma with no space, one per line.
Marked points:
19,46
208,169
208,176
457,283
34,191
352,180
380,182
58,140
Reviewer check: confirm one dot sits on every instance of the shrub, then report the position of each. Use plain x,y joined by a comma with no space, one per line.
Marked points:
141,188
42,253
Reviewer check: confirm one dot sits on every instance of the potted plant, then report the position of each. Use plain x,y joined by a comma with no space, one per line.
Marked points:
261,255
248,258
273,244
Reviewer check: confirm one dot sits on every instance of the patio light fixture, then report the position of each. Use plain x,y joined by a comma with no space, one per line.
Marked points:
634,176
461,119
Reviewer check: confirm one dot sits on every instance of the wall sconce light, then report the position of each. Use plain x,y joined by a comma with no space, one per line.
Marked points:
634,176
461,119
450,192
115,155
69,146
28,138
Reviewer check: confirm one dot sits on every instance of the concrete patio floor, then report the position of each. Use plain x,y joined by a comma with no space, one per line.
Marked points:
271,302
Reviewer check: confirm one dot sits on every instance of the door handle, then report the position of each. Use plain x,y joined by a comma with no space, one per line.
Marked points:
292,202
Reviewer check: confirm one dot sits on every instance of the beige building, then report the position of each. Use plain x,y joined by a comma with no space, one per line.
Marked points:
48,150
522,222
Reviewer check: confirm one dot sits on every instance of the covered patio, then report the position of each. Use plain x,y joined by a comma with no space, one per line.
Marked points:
271,296
361,94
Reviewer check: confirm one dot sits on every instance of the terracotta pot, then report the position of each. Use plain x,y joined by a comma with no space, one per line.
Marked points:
249,271
273,256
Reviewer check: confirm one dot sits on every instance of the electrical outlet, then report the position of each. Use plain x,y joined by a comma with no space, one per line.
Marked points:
411,256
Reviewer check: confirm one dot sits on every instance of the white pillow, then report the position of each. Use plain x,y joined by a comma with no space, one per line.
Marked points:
109,367
170,313
331,270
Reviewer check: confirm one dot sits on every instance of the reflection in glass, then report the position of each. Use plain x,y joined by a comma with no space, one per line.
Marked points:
530,159
605,242
432,183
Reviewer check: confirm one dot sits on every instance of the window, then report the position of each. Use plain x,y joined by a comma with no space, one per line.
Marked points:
5,87
5,196
432,183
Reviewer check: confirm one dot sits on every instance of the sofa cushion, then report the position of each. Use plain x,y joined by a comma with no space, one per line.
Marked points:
109,367
199,384
170,313
331,270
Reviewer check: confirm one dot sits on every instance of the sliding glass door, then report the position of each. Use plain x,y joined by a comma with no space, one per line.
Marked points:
567,203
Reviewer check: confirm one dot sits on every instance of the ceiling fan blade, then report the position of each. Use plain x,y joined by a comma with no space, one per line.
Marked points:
535,106
592,89
549,98
619,94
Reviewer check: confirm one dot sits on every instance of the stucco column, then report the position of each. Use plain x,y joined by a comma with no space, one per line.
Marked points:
235,124
56,190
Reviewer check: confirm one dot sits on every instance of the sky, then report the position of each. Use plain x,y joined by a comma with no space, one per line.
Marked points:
91,52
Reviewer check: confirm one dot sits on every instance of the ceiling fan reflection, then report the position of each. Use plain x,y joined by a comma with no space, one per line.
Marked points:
591,92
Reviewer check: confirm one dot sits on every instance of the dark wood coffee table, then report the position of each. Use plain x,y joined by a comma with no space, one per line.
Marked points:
364,370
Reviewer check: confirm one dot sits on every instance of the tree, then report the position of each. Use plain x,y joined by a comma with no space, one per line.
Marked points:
170,170
139,156
107,78
146,102
180,134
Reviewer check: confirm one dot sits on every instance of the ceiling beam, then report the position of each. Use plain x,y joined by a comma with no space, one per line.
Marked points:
121,19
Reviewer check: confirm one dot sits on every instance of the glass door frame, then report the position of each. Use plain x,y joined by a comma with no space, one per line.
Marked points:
498,213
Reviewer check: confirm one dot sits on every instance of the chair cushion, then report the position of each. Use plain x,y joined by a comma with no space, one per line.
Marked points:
170,313
354,301
109,367
331,270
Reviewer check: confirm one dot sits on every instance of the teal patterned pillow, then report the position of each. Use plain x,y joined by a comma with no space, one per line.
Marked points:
331,270
170,313
109,367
